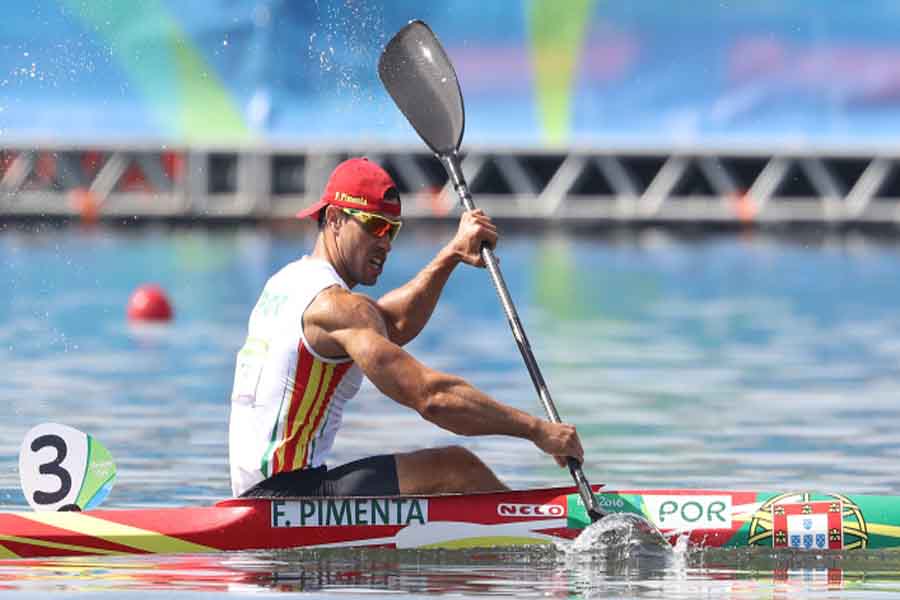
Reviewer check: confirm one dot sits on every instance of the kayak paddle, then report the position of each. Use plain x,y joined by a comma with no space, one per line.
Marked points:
419,76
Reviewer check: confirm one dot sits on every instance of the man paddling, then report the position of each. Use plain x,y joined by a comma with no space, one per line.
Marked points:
311,339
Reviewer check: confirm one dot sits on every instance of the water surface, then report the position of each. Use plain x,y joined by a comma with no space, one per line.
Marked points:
729,361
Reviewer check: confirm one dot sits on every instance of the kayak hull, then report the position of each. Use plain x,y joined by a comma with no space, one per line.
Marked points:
814,521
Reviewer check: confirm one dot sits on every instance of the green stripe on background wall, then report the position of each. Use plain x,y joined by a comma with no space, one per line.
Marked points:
557,34
168,70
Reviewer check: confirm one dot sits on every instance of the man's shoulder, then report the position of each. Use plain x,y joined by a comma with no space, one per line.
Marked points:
338,306
338,298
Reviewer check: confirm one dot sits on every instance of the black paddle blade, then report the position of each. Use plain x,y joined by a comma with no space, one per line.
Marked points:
420,78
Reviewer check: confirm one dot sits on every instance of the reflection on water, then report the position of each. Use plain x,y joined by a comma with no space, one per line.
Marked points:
530,572
521,573
718,362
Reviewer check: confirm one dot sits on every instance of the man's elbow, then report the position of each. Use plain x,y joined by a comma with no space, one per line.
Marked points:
433,408
440,406
399,334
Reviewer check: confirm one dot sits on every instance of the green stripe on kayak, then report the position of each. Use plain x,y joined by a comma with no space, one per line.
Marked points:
768,519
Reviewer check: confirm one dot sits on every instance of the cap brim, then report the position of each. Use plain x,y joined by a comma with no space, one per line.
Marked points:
312,211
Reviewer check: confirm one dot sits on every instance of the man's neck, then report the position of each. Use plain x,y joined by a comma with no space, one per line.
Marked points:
325,249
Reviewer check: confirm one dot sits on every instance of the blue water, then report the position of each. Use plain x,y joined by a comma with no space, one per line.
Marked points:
728,361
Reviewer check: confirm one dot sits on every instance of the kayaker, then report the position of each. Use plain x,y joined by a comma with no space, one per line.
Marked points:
311,339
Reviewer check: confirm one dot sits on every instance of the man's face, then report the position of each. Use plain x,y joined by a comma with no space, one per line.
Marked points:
364,254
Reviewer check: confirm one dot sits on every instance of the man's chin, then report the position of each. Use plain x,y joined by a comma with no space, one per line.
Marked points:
369,276
369,279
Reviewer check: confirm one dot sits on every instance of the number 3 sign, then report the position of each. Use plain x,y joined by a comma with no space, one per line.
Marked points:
61,468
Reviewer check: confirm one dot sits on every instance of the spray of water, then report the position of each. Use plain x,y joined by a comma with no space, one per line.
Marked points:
621,537
613,556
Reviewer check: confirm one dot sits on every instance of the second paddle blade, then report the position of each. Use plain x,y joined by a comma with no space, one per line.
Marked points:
419,76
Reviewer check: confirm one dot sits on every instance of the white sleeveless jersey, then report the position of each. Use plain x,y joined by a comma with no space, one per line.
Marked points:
287,400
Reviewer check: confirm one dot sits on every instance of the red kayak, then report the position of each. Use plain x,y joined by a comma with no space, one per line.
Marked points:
803,520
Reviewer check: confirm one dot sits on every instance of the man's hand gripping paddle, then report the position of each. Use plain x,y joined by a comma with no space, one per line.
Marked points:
420,78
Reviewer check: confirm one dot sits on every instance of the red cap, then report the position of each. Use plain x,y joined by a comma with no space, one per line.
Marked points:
361,184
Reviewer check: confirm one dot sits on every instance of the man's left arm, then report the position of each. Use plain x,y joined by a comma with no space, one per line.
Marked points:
407,309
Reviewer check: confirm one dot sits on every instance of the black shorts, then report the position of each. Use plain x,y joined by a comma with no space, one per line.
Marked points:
372,476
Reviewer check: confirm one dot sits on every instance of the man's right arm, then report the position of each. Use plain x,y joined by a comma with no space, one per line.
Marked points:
407,309
353,324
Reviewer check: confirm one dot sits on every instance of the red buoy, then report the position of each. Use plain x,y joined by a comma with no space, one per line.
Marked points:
149,303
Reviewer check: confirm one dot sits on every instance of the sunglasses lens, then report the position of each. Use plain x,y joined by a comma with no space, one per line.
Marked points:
375,224
378,228
385,228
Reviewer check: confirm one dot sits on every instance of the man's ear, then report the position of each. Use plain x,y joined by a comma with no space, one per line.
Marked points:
333,217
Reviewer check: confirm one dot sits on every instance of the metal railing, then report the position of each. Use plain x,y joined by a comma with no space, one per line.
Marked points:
602,185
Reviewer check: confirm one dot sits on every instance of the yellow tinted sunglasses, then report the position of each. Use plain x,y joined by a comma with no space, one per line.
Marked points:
377,225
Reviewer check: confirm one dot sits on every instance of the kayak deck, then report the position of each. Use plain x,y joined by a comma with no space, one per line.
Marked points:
803,520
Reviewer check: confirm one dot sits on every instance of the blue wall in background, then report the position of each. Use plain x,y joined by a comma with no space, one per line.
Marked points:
303,72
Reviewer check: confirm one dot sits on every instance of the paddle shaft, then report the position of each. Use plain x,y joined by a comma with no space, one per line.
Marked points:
454,170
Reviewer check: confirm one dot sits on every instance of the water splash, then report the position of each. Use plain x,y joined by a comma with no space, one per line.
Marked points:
622,538
615,555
